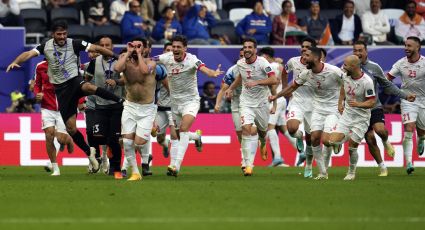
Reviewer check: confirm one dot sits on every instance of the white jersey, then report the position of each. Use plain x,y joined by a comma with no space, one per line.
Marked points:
360,90
327,85
276,69
303,95
412,77
182,77
258,70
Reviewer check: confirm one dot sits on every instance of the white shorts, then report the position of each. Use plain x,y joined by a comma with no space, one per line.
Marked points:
256,115
138,118
236,116
51,118
297,112
323,121
163,120
178,111
352,127
412,112
279,117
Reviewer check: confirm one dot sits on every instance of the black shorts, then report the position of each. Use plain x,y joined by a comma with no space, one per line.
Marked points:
108,123
377,116
90,121
68,94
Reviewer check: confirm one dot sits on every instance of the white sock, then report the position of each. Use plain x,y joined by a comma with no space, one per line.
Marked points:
382,165
193,136
130,154
274,143
242,160
55,167
124,163
291,140
354,157
309,156
298,134
408,146
183,144
254,147
173,152
317,153
246,150
104,153
145,152
327,153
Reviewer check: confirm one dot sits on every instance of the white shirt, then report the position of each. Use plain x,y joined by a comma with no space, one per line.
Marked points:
117,10
304,94
258,70
5,9
275,6
347,29
360,90
182,78
326,84
377,25
361,7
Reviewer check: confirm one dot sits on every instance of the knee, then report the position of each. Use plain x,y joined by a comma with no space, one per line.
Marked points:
160,138
382,132
370,138
140,142
50,135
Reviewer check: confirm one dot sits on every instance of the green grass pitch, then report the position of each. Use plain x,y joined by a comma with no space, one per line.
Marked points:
211,198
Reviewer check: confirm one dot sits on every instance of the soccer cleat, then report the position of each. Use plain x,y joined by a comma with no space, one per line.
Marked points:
56,173
93,161
263,151
301,159
165,149
105,166
248,171
308,172
350,176
409,168
389,148
276,162
124,173
172,171
337,148
243,169
321,177
420,148
48,167
135,177
145,170
384,172
300,145
118,176
198,143
70,147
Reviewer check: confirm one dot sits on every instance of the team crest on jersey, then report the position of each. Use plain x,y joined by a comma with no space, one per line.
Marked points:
198,63
369,92
286,68
268,69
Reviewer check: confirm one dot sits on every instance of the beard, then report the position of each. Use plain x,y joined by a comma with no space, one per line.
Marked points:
309,65
134,55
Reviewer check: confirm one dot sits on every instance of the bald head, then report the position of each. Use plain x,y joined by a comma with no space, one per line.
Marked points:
352,65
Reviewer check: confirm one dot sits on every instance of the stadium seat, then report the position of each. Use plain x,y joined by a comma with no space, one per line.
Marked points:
112,31
236,15
223,14
330,13
80,32
35,21
69,14
393,15
29,4
226,28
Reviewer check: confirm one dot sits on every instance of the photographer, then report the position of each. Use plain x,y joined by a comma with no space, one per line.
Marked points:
20,104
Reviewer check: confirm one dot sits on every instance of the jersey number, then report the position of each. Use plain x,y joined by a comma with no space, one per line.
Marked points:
175,71
406,117
412,73
318,85
248,73
351,91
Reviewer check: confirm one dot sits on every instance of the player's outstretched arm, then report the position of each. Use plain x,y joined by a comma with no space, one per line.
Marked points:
236,83
219,97
120,65
341,100
211,73
101,50
288,90
273,92
271,80
21,58
368,104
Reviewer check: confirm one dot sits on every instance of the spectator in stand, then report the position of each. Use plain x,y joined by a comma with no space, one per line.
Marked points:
132,25
410,23
97,12
211,6
281,23
158,7
147,12
256,25
61,3
167,26
20,104
9,13
420,7
197,24
208,98
274,8
376,23
347,26
182,7
361,6
316,26
118,9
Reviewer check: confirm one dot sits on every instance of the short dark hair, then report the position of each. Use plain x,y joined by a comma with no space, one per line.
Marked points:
59,25
360,42
143,40
416,39
316,51
205,86
411,2
285,2
267,50
250,40
167,44
180,38
165,10
311,40
323,50
103,38
348,2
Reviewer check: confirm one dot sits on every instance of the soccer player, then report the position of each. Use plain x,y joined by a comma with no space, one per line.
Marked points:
62,54
52,123
139,108
377,119
326,81
359,94
300,108
256,76
411,69
277,119
227,81
182,67
107,125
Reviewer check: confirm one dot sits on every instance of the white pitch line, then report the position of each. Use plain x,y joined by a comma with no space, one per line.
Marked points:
159,220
